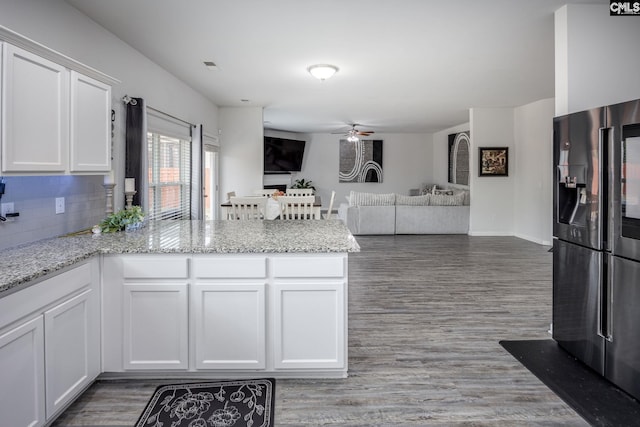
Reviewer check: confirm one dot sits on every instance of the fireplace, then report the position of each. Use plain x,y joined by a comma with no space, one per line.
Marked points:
280,187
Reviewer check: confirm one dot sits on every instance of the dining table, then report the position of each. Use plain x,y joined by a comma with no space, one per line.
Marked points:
272,208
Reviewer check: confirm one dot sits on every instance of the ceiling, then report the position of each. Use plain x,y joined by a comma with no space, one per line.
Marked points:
405,65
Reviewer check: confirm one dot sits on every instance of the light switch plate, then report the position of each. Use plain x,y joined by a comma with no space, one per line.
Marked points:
59,205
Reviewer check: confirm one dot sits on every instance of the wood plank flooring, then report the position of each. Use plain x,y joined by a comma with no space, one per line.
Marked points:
425,317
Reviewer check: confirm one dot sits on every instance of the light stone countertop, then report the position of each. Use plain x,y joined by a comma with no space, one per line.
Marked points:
21,264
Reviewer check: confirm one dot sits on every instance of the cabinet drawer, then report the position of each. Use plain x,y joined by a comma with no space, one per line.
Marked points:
39,295
154,267
230,267
309,266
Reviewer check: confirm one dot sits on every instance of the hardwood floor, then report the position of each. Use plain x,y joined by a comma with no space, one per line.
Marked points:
425,317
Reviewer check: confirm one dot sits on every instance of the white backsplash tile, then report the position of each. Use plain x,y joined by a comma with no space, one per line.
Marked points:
34,198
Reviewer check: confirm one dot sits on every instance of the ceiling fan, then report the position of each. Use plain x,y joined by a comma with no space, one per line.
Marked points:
353,133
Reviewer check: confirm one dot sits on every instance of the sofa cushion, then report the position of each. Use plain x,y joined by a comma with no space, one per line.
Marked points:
432,220
357,198
447,200
413,200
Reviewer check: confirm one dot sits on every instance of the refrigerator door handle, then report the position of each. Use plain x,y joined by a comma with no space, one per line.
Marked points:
606,298
608,180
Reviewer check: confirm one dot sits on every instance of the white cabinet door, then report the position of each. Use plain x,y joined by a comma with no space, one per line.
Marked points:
22,372
230,324
35,113
90,139
309,325
155,326
72,343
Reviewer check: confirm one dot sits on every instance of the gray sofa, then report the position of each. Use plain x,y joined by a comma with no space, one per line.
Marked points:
371,213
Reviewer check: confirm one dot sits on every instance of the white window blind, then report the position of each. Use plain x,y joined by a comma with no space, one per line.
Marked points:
169,168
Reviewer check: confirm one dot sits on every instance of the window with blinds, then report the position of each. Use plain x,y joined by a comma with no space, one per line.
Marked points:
169,175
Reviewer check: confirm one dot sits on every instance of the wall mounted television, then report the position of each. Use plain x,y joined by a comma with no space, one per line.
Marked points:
282,155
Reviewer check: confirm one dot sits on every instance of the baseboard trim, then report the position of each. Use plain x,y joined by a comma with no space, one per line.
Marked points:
534,239
490,233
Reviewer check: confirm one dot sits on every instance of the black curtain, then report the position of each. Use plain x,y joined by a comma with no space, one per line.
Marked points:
135,145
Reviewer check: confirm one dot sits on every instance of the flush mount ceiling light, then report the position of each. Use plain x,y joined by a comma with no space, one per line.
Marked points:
322,71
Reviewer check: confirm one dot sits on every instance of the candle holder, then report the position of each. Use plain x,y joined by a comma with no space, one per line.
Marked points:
108,189
128,195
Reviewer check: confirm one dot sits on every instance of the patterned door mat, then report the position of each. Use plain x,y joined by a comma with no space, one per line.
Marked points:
245,403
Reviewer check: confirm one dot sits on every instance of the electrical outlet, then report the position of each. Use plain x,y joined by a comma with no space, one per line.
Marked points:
6,208
59,205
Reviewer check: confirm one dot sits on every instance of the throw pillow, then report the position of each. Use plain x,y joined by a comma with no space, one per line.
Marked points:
371,199
447,200
413,200
427,188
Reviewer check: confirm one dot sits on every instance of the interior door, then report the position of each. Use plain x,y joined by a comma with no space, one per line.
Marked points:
210,167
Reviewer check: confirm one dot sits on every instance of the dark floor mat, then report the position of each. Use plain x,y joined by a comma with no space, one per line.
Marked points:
248,403
597,400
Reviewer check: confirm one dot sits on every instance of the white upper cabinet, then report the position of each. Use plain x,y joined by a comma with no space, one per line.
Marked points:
55,113
90,137
35,120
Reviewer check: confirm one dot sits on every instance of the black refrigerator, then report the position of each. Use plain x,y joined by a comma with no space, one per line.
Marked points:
596,228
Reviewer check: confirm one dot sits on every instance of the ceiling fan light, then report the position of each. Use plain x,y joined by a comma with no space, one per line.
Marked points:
322,71
353,138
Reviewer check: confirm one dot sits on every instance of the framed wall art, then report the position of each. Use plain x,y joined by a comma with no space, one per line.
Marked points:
493,161
459,145
360,161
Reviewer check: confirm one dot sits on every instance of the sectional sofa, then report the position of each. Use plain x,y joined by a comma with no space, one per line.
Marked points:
438,212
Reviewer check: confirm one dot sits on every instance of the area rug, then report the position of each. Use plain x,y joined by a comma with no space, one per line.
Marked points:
594,398
246,403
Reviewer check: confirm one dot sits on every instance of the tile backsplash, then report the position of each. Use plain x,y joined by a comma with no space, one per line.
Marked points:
34,198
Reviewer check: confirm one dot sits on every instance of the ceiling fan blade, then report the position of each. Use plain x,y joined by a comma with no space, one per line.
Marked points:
364,133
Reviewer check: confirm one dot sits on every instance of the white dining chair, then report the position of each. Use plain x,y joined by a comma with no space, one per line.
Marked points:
329,211
244,208
297,207
265,193
299,191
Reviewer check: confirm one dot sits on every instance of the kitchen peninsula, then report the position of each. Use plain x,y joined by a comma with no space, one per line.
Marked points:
216,299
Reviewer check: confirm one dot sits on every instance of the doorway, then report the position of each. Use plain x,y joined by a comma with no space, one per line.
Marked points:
210,167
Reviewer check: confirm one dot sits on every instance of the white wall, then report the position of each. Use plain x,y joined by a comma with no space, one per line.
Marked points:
407,163
533,195
492,198
597,58
60,27
241,152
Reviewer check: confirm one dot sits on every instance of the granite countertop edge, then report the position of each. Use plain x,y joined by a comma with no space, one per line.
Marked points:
29,262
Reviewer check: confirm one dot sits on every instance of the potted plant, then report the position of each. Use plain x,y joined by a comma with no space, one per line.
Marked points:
126,219
302,183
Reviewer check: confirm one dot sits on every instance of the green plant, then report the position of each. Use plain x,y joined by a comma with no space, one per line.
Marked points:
118,221
302,183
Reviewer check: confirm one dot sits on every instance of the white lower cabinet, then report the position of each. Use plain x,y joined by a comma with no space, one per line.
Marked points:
156,331
72,343
222,314
309,325
22,372
229,322
48,359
